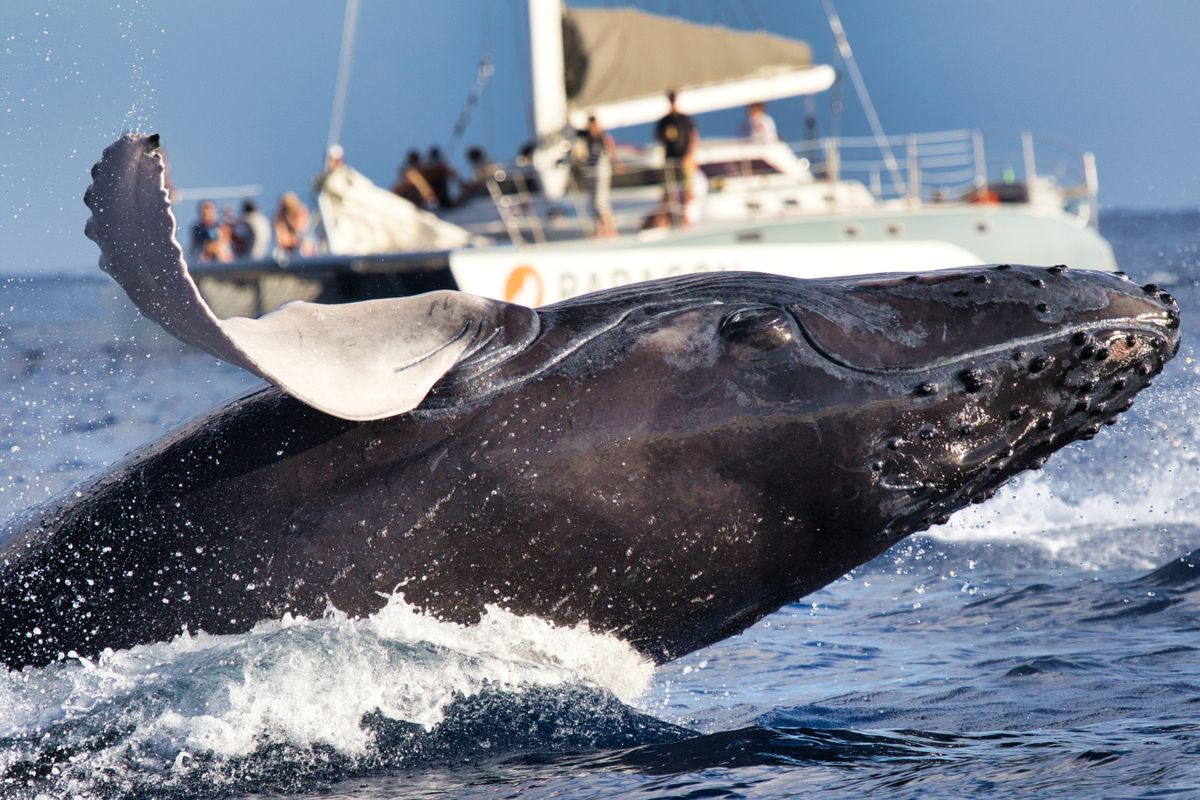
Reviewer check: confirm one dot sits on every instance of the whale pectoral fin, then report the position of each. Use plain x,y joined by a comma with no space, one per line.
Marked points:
134,226
367,360
357,361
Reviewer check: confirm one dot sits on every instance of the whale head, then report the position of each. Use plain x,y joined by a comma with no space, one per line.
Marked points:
854,411
977,375
922,394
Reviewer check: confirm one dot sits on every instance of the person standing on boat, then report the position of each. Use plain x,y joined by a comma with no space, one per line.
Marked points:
601,160
677,134
759,127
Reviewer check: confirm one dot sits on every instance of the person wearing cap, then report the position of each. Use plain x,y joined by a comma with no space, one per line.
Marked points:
335,157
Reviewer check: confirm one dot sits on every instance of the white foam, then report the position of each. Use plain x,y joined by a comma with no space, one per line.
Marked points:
310,682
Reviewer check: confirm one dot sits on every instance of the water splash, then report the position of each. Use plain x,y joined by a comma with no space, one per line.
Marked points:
1129,499
325,687
138,28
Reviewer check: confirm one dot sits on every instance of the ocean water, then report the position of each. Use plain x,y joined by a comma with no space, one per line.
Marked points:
1046,643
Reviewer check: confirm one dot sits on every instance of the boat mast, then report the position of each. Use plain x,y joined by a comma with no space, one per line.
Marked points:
549,96
546,68
860,86
345,55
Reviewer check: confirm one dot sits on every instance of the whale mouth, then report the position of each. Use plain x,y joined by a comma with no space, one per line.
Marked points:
858,356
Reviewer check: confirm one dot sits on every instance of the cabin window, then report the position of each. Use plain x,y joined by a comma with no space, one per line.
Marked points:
741,167
635,177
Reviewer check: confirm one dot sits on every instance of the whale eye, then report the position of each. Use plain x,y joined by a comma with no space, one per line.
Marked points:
764,327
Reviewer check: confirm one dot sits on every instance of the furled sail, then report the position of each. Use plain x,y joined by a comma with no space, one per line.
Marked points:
619,63
361,218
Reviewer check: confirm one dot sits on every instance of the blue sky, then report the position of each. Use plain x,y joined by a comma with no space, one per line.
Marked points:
241,91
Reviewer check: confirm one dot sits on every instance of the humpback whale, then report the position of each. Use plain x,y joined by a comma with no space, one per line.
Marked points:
666,462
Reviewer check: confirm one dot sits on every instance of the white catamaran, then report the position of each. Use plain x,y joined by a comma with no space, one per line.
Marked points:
821,207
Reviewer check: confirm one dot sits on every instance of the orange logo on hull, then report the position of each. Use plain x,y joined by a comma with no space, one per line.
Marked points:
524,286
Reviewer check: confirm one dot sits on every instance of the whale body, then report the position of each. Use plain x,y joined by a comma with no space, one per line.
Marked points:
666,462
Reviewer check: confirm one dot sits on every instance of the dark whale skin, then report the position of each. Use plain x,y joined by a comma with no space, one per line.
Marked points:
667,462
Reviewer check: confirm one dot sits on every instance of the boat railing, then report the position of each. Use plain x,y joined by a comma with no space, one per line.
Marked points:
915,170
961,165
515,206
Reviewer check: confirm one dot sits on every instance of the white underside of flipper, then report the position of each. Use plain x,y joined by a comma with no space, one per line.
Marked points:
357,361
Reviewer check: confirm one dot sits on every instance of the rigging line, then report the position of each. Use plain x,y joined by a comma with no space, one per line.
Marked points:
836,105
488,99
843,46
482,75
345,56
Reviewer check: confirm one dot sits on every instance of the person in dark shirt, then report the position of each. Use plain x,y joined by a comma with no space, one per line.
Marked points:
411,184
677,134
250,234
438,174
482,170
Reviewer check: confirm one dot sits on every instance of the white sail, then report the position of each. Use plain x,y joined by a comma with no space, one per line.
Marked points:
619,64
360,218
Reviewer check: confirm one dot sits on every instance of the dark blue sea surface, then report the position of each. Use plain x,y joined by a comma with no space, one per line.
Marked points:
1044,644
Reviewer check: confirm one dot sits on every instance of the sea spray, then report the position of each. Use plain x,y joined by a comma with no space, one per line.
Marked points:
1094,505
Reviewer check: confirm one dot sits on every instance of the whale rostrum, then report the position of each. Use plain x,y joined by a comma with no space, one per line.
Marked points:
667,462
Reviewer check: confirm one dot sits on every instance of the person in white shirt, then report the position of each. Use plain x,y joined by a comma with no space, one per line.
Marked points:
759,127
251,233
